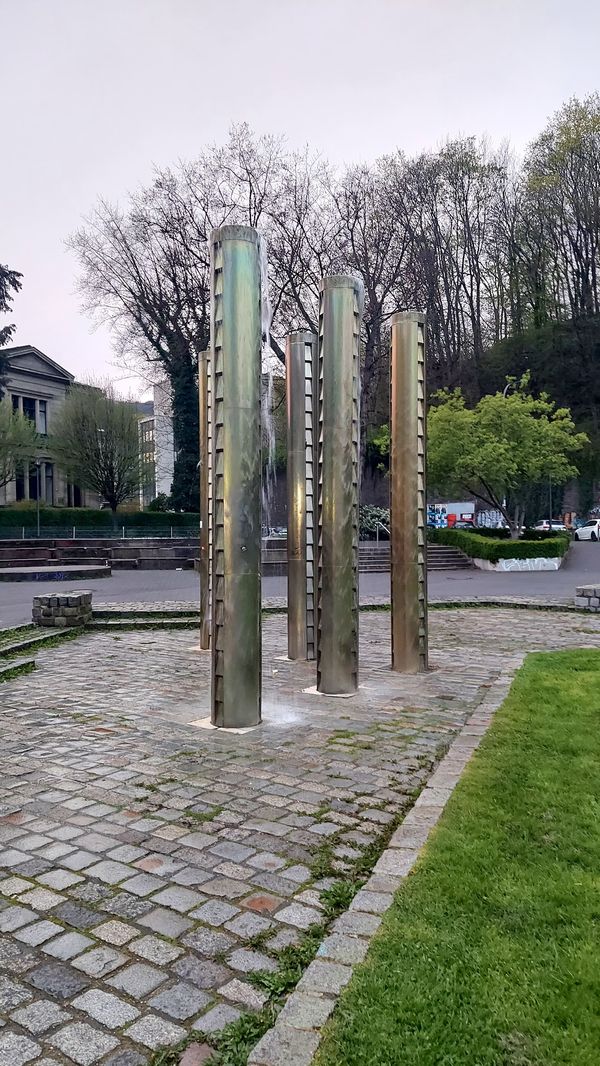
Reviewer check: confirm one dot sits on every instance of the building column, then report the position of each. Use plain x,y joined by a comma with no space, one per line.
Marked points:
338,484
408,492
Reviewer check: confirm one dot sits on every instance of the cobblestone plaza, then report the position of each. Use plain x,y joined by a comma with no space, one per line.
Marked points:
149,864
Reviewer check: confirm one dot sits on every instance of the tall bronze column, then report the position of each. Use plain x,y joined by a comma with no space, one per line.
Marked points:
408,492
236,473
338,484
299,351
205,496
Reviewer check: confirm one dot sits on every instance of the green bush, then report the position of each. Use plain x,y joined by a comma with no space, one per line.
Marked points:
478,547
160,504
370,519
540,534
13,519
494,534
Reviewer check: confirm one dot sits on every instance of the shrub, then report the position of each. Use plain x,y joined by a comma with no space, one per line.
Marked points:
478,547
59,521
540,534
160,504
371,518
494,534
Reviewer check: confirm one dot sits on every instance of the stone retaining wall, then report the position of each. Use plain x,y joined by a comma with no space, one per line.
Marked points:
520,565
588,596
72,609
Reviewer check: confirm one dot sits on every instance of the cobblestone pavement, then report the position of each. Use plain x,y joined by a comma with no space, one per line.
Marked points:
148,864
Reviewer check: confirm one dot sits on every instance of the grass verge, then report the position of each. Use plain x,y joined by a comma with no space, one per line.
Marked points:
488,956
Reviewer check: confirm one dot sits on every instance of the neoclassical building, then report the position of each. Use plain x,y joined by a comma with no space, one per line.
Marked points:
36,386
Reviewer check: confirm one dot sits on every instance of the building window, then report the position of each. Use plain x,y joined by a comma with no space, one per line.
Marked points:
49,486
15,402
29,408
20,485
42,417
73,495
34,478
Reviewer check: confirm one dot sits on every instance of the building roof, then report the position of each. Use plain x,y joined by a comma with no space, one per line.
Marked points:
28,359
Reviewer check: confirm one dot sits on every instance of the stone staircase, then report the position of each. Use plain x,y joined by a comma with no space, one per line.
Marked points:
140,553
441,557
375,558
181,553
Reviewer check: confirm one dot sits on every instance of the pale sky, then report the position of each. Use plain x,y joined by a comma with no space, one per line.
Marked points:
95,92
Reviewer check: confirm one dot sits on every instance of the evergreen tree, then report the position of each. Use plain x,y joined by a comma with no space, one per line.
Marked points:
10,282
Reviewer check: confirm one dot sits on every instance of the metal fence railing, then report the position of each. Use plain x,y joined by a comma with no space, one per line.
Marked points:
85,532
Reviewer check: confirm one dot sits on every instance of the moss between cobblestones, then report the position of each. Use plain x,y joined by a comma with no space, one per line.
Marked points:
193,817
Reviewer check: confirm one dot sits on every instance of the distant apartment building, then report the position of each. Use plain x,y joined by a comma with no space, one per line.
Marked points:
157,452
36,386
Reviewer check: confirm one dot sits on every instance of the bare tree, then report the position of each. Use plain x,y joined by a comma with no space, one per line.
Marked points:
487,248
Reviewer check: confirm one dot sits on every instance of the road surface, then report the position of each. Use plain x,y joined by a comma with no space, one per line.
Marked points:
582,567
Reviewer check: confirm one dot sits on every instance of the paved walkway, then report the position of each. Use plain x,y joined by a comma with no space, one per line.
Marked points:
149,864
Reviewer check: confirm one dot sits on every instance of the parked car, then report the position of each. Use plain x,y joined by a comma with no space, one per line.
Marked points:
545,526
589,530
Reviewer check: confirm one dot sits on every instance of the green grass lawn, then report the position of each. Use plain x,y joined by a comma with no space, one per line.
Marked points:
490,955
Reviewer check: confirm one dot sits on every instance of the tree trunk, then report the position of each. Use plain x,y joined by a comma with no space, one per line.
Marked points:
515,525
186,490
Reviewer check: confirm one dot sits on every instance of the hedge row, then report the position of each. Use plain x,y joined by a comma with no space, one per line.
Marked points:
504,534
90,518
478,547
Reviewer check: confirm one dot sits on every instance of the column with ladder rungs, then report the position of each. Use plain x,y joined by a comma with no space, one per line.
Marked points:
338,449
205,496
300,349
408,492
236,477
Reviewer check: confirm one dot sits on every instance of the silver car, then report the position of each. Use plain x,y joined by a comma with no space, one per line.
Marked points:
546,526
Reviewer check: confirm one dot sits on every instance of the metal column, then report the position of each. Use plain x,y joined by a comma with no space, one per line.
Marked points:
408,495
205,496
236,472
338,484
299,351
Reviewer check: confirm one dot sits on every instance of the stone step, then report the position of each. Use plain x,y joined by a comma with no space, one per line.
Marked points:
27,643
177,551
7,554
153,564
53,573
117,612
138,621
15,667
56,564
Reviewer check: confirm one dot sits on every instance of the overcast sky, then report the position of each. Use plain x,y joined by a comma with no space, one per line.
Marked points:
95,92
